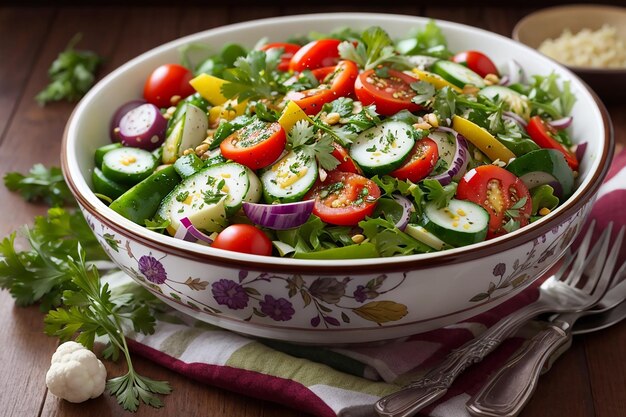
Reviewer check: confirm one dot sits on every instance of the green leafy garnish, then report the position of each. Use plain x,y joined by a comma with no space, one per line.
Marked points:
40,184
389,240
543,197
254,77
439,194
315,235
428,41
513,213
42,273
424,91
71,74
89,311
303,138
374,49
444,104
158,224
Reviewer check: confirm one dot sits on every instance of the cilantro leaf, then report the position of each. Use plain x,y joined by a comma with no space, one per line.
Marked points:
254,77
375,48
40,184
264,113
444,104
428,41
158,224
389,240
424,91
303,137
323,152
71,74
342,106
300,134
439,194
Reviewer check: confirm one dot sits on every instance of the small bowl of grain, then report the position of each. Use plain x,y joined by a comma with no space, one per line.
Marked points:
588,39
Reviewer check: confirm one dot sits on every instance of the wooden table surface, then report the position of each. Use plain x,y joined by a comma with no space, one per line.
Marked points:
589,380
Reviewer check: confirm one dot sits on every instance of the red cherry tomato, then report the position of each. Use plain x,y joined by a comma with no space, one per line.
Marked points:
344,198
165,82
390,94
346,164
544,135
316,54
420,162
256,145
243,238
477,62
289,49
497,191
335,82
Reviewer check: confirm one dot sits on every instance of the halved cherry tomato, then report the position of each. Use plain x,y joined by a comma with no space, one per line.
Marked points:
544,135
420,162
346,164
316,54
477,62
289,49
256,145
344,198
166,82
337,81
390,94
497,191
243,238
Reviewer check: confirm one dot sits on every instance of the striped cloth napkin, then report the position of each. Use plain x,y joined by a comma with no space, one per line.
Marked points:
346,382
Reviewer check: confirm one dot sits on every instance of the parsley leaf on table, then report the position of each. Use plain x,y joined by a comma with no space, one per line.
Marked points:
89,310
71,74
40,184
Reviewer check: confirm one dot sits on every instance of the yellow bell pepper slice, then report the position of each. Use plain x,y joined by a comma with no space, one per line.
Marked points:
482,139
292,114
210,88
435,80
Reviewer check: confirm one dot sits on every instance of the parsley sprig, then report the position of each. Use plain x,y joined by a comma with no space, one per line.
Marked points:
512,214
71,74
304,137
90,311
254,77
40,184
374,49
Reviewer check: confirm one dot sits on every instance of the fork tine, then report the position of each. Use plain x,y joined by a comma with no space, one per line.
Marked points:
596,259
607,276
580,255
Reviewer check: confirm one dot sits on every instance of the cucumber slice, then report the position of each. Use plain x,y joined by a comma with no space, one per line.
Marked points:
515,102
383,148
103,150
544,166
446,145
187,132
128,165
461,223
187,165
290,178
457,74
210,195
105,186
419,233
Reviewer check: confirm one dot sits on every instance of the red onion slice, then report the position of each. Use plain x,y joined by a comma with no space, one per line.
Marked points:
119,113
190,233
279,216
407,208
515,117
580,151
459,161
563,123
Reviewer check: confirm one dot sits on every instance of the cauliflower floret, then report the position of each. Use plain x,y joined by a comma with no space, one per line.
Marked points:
75,373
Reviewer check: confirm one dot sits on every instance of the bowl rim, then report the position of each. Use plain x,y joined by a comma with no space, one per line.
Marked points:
579,7
207,255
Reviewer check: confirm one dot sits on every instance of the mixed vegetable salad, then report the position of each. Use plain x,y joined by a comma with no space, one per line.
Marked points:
338,146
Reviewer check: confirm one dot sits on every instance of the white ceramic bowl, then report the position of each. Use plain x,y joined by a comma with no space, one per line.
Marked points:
334,301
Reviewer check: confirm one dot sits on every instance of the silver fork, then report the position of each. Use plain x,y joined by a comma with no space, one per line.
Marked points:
558,294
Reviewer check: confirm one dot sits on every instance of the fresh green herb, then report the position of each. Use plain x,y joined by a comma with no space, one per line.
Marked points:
543,196
40,184
182,196
157,224
303,138
89,311
424,92
71,74
375,48
226,128
389,240
390,185
264,113
315,235
254,77
214,196
511,226
439,194
305,81
428,41
42,273
342,106
515,208
444,104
